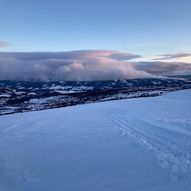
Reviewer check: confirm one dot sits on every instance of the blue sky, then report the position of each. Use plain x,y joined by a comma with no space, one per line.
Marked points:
145,27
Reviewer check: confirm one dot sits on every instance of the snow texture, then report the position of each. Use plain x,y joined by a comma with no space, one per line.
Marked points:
127,145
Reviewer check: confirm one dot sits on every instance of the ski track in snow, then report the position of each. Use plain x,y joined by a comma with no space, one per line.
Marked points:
170,146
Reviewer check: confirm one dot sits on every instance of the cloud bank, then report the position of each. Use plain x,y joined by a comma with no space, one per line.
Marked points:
164,68
172,56
82,65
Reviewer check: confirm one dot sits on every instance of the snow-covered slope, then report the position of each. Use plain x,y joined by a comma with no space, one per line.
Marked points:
128,145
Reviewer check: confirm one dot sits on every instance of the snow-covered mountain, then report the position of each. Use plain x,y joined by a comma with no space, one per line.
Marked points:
136,144
20,96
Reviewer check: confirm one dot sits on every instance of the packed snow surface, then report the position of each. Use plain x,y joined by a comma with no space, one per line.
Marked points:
129,145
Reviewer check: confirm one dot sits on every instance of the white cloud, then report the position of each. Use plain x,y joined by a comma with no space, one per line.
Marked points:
80,65
4,44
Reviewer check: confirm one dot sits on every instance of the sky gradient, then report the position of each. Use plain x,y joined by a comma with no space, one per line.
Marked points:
146,27
156,31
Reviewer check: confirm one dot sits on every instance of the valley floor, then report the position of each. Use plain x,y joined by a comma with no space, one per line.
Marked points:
127,145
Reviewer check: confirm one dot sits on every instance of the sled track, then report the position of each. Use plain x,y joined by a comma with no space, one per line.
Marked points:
171,148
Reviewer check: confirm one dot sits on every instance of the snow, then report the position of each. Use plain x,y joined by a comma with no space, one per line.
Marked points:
32,94
136,145
5,95
71,89
65,91
59,87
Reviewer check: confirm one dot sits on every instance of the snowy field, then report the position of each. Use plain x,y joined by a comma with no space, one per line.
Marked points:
129,145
